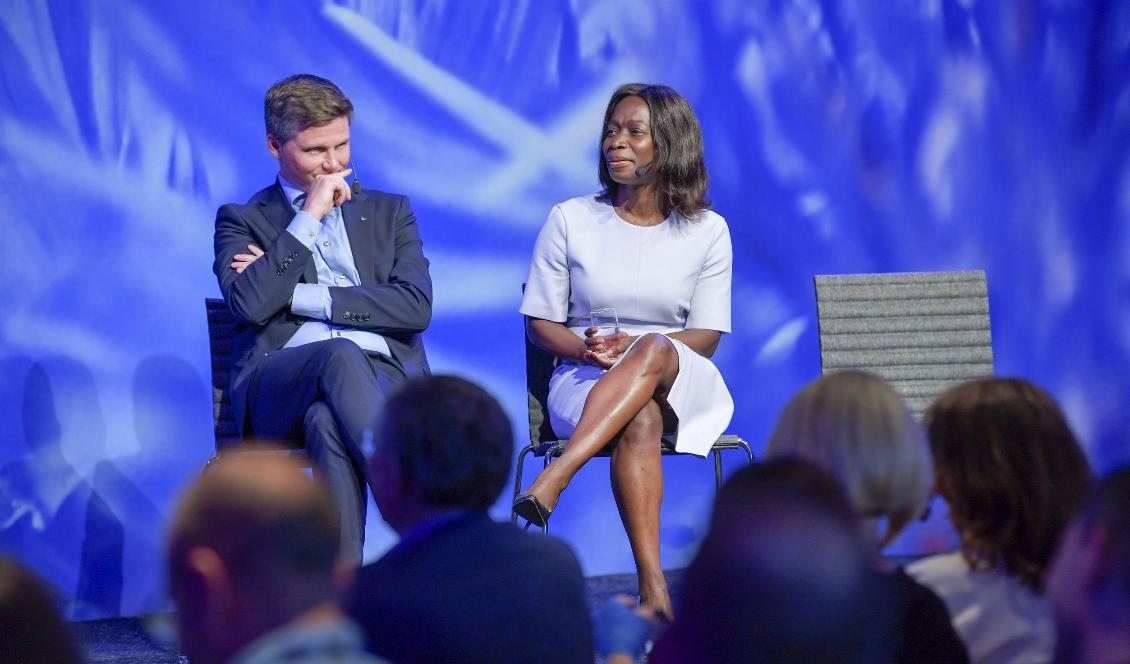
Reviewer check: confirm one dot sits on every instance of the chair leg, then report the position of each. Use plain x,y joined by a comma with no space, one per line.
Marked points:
552,453
518,479
717,471
745,448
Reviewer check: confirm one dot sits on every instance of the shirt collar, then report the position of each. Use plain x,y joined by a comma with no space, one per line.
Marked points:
292,192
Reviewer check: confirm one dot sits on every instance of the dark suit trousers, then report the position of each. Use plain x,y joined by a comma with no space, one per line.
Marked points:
326,394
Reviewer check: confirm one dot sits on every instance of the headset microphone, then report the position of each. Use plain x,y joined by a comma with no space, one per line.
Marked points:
356,186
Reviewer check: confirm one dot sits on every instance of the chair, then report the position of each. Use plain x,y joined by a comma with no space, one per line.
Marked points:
545,444
921,331
221,329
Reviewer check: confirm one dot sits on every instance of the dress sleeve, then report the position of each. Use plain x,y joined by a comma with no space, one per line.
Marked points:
710,303
547,286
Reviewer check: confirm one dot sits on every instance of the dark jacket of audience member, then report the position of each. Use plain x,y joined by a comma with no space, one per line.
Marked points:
782,577
1089,580
459,586
855,426
31,630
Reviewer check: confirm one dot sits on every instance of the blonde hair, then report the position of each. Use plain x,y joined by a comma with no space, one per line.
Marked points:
853,424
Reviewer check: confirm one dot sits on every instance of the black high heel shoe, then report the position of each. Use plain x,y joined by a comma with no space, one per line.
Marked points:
531,509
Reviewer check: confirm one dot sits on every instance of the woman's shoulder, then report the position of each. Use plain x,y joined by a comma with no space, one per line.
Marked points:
589,204
710,219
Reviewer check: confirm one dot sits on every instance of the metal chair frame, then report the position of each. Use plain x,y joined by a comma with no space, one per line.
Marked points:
544,443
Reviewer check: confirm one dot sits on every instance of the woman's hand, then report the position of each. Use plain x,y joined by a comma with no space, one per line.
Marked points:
603,351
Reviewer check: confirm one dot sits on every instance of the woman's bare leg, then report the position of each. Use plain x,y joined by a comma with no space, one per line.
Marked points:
646,372
637,483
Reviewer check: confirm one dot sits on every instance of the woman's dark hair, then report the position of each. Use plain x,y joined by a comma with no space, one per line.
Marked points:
1010,469
679,168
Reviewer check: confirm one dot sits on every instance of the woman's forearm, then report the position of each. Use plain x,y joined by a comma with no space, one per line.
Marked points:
555,338
703,342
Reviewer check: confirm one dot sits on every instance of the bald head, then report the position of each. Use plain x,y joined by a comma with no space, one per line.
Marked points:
261,529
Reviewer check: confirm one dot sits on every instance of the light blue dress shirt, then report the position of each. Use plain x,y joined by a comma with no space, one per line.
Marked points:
333,258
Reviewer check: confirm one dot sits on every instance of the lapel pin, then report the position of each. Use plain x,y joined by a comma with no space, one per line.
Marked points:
363,218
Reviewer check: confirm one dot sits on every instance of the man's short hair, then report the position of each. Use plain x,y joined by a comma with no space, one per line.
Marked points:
450,441
783,574
302,101
245,510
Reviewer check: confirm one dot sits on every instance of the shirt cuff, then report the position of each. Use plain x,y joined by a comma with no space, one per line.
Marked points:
304,227
312,301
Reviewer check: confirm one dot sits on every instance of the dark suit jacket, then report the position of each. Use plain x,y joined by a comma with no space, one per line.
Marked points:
394,298
475,590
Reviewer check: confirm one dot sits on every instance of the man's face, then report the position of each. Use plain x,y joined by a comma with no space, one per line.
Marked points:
317,150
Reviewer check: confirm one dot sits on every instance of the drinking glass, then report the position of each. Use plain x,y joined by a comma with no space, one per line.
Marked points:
606,321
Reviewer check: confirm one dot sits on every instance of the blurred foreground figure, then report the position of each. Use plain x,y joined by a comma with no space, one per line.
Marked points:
1013,475
855,426
1089,580
459,587
781,577
251,561
31,630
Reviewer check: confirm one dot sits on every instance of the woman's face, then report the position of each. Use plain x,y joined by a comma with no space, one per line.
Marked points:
627,142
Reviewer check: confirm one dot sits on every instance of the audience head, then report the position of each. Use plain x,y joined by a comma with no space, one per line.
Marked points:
855,426
31,630
1011,471
443,443
302,101
677,165
1089,577
782,576
253,546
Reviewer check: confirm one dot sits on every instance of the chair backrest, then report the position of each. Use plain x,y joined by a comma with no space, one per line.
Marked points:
921,331
221,326
539,367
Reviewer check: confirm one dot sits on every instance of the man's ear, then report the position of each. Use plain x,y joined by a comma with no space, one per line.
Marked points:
273,146
211,585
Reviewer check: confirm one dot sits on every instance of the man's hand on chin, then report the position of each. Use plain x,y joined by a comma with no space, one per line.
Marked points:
328,191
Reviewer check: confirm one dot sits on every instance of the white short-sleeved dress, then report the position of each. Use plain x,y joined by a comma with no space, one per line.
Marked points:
663,278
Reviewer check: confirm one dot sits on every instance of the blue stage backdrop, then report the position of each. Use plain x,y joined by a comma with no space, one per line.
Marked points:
841,137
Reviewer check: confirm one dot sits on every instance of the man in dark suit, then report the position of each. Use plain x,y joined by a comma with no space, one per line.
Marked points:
459,587
331,291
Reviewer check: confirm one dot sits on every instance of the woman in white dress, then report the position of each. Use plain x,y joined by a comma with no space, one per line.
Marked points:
648,247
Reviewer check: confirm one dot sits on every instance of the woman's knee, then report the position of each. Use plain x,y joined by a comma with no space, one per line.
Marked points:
655,351
646,427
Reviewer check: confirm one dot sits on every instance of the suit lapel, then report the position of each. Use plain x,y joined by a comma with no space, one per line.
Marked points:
278,213
359,233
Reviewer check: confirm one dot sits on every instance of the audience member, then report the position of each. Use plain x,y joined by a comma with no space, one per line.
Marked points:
1012,474
1088,582
252,559
782,576
31,630
459,586
855,426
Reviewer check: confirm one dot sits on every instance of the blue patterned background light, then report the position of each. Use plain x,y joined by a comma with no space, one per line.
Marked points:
841,137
